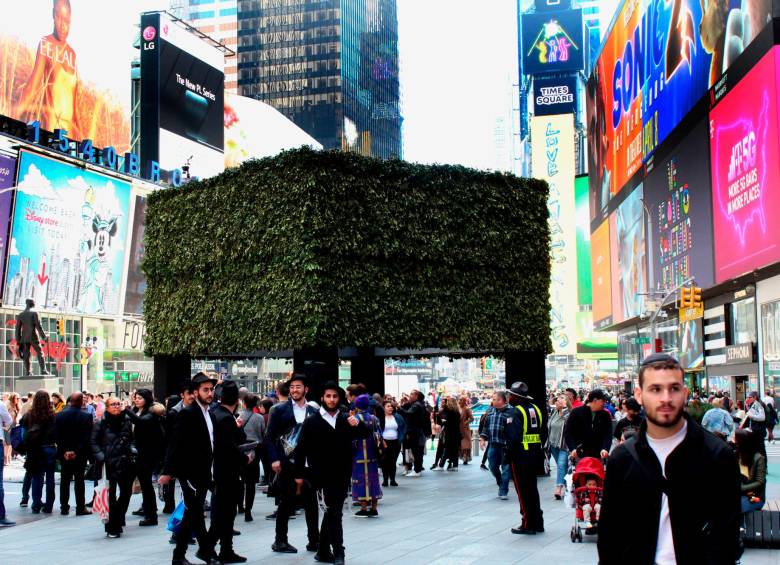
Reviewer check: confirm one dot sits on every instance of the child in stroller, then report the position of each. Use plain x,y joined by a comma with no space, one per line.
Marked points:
587,485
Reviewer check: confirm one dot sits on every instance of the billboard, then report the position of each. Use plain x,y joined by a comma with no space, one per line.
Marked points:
692,344
659,59
555,96
552,42
7,180
552,158
679,198
744,152
62,64
68,238
182,98
136,281
547,5
631,273
600,275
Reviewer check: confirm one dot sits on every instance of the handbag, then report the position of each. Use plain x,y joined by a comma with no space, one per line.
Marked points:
174,522
100,500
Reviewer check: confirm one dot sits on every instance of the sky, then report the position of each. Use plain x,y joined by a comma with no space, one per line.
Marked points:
458,62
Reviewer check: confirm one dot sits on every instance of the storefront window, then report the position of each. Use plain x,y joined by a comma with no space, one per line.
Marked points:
743,321
770,349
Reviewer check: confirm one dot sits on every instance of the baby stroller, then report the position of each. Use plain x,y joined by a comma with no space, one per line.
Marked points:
584,497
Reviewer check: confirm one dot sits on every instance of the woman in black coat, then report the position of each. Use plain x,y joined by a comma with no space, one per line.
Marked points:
150,442
41,450
112,447
450,418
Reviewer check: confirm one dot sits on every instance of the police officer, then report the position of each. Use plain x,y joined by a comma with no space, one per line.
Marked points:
526,433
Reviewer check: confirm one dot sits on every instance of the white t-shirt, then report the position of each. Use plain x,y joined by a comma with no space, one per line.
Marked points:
664,549
300,412
391,428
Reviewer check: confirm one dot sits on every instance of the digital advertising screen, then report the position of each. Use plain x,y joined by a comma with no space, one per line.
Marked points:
7,180
691,344
552,158
679,198
584,288
555,96
600,259
631,241
136,280
68,238
745,154
552,42
182,98
657,62
66,64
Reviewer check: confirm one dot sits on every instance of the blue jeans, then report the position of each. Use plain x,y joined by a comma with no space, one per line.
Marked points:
49,453
561,458
499,467
748,506
2,493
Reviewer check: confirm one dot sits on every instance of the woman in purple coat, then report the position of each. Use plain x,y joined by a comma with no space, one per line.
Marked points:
365,463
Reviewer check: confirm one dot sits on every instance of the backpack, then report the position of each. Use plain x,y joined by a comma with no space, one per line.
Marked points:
16,436
426,424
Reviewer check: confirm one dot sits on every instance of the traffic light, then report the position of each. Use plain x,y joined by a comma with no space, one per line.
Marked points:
61,327
685,298
695,297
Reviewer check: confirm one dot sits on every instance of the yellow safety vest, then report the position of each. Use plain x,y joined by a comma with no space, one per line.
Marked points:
530,438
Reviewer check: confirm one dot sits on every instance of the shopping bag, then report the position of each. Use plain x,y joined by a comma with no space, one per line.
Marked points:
100,501
174,522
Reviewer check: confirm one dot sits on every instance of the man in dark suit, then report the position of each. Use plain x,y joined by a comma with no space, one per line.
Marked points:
73,430
283,433
28,328
326,445
229,461
191,460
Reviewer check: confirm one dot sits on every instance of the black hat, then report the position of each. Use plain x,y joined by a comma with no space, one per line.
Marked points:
297,377
632,404
332,385
229,393
201,378
597,394
658,358
520,389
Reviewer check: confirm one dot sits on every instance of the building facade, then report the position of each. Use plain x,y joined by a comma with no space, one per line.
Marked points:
330,66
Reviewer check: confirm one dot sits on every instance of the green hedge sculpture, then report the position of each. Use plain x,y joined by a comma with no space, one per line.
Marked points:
313,248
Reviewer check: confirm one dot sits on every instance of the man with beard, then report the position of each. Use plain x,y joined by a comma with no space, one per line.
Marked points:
284,428
652,475
326,446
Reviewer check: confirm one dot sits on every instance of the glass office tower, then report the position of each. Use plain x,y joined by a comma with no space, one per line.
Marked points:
330,66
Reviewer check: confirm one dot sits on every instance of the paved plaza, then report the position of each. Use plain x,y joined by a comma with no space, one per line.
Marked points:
441,518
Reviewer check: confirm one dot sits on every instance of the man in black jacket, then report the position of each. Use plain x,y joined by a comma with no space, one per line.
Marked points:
656,472
191,461
73,430
187,397
415,415
588,431
326,445
229,460
284,427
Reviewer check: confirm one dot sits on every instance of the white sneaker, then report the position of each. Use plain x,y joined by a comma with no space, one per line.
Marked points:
503,497
412,474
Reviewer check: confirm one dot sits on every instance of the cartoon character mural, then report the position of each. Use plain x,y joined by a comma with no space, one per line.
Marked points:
97,268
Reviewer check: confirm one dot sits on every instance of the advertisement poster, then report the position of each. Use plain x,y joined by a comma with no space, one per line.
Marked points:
136,281
678,195
600,275
552,158
745,175
552,42
68,238
659,59
7,180
631,273
63,64
691,345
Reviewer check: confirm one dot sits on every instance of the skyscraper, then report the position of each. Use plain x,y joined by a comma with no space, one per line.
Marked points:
330,66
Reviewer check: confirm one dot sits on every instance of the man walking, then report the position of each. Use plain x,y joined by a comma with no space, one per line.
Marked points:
187,397
588,431
494,434
656,471
526,433
326,446
229,461
284,429
28,328
191,460
73,432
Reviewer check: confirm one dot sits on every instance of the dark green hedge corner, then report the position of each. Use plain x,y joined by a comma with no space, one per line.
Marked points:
334,249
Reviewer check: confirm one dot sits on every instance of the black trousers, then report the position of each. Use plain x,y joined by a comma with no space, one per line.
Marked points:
524,472
24,353
169,496
119,492
194,496
72,471
145,468
288,502
251,475
390,458
440,457
332,530
223,514
417,452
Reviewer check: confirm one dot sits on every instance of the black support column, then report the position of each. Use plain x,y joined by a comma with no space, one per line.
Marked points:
169,372
527,366
320,365
369,369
